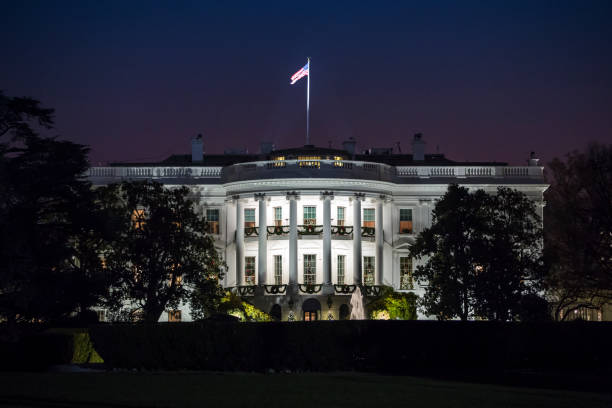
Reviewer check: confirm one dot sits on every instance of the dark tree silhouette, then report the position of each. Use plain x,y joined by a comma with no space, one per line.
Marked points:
162,254
578,231
482,255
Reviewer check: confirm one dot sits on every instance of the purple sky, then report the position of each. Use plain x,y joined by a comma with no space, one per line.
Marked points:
481,80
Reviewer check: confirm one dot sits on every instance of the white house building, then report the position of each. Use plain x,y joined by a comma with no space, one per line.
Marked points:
299,228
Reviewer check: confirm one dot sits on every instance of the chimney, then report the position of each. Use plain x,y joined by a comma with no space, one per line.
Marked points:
418,147
349,146
533,160
266,147
197,149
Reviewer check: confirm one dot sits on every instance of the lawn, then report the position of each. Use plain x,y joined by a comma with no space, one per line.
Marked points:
188,389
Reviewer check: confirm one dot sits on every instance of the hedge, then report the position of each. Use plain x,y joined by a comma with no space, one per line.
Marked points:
381,346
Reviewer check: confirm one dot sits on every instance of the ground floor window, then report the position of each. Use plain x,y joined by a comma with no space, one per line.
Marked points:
174,315
310,269
341,266
278,269
406,282
368,270
249,270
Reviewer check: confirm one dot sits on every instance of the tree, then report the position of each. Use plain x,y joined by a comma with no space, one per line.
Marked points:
482,255
161,254
393,305
510,267
43,200
452,247
578,230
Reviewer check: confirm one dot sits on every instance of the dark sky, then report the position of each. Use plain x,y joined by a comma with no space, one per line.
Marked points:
482,80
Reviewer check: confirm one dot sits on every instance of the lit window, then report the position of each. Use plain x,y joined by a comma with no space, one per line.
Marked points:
310,215
338,161
138,219
405,221
406,282
278,216
177,280
368,218
340,216
249,218
278,269
249,270
309,161
174,315
212,220
368,270
279,161
310,269
341,265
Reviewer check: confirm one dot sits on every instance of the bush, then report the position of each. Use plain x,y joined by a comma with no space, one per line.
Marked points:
393,305
404,347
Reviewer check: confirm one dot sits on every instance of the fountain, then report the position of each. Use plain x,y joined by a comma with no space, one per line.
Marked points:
357,310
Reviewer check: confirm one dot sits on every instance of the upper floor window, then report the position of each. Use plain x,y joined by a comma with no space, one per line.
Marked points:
174,315
340,217
278,216
341,265
406,282
310,269
138,219
212,220
368,217
249,270
310,215
368,270
405,226
249,218
278,269
309,161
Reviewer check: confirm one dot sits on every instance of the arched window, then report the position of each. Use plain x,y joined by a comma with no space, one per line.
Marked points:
312,309
275,312
344,312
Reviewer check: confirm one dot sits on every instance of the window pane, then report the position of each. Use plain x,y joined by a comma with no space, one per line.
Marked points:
405,214
340,215
368,270
341,259
310,269
249,270
310,215
278,269
212,214
249,215
405,226
406,282
278,213
368,214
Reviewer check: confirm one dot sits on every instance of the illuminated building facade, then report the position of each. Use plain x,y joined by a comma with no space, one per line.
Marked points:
299,228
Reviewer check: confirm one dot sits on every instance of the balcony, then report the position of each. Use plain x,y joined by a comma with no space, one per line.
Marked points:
278,230
310,229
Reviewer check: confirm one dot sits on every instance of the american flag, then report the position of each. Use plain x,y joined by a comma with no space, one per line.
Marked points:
300,74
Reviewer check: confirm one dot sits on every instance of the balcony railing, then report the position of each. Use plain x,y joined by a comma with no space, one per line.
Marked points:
310,229
368,232
341,230
251,231
278,230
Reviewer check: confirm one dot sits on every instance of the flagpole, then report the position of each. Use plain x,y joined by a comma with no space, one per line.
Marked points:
308,105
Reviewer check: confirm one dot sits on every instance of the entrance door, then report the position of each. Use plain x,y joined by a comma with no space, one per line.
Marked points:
311,309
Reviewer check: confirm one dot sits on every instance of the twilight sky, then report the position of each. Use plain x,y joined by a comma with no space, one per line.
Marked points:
483,80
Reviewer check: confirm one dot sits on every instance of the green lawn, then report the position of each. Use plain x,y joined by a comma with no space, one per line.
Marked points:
277,390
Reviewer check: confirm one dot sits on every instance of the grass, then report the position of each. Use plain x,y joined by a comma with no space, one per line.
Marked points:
188,389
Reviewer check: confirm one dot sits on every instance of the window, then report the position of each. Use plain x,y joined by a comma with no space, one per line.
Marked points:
278,216
212,220
338,161
138,219
341,265
310,215
310,269
174,315
405,221
177,280
249,270
309,161
278,269
368,217
406,282
340,217
368,270
101,315
249,218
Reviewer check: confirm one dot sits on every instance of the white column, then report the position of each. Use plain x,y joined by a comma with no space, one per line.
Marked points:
262,250
357,260
327,274
378,279
293,240
239,242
